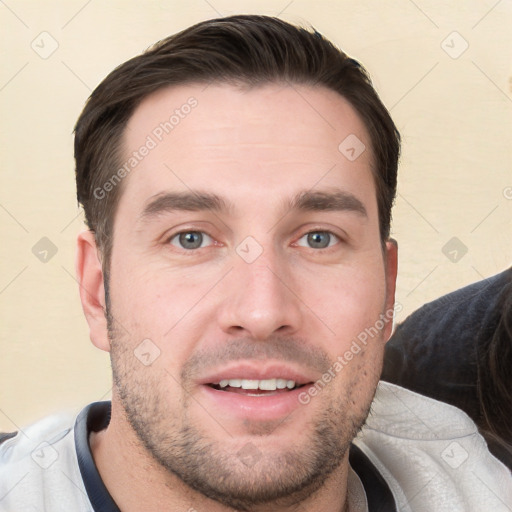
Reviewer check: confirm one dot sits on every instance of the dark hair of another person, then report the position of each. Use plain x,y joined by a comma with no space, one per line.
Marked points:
242,50
494,368
458,349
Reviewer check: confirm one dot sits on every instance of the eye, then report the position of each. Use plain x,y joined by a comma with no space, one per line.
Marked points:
190,240
318,240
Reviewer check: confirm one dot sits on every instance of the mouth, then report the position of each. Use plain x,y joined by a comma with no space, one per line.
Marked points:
255,391
255,387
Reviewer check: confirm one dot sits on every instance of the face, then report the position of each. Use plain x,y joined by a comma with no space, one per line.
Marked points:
247,255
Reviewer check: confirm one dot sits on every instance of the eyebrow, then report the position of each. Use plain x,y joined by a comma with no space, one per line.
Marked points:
203,201
184,201
328,201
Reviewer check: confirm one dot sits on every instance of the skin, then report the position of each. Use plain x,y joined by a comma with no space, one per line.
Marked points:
207,310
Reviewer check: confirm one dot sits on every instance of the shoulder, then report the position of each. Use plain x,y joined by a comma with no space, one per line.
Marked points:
431,453
38,459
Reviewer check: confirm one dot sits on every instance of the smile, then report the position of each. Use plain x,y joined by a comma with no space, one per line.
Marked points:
263,387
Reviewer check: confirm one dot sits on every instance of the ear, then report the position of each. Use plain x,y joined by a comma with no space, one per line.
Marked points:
92,288
391,268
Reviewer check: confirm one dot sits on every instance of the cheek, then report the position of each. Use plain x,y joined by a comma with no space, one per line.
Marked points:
350,304
162,306
349,301
150,295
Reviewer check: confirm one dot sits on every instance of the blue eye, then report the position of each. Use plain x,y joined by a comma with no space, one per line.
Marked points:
318,240
190,240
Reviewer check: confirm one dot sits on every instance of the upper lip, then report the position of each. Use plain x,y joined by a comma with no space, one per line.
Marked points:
257,371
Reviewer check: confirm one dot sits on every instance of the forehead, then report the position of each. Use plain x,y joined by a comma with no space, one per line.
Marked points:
222,137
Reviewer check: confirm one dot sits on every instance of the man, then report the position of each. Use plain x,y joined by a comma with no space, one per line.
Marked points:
237,180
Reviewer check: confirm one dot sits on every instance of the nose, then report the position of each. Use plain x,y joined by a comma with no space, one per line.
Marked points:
261,300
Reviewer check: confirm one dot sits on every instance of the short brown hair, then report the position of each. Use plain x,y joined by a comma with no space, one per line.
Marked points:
241,50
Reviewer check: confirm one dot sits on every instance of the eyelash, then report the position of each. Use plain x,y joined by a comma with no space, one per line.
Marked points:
325,231
191,251
185,231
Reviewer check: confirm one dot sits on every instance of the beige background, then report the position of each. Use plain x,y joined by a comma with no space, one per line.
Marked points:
455,180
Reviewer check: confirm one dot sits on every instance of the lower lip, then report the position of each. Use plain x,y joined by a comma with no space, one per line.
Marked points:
258,408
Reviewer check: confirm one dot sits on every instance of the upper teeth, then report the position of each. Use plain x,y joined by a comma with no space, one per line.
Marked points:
265,384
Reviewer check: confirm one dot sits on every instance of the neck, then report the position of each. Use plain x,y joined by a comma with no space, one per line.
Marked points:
137,482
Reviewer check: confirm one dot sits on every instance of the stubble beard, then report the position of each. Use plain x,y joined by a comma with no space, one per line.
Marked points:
214,469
